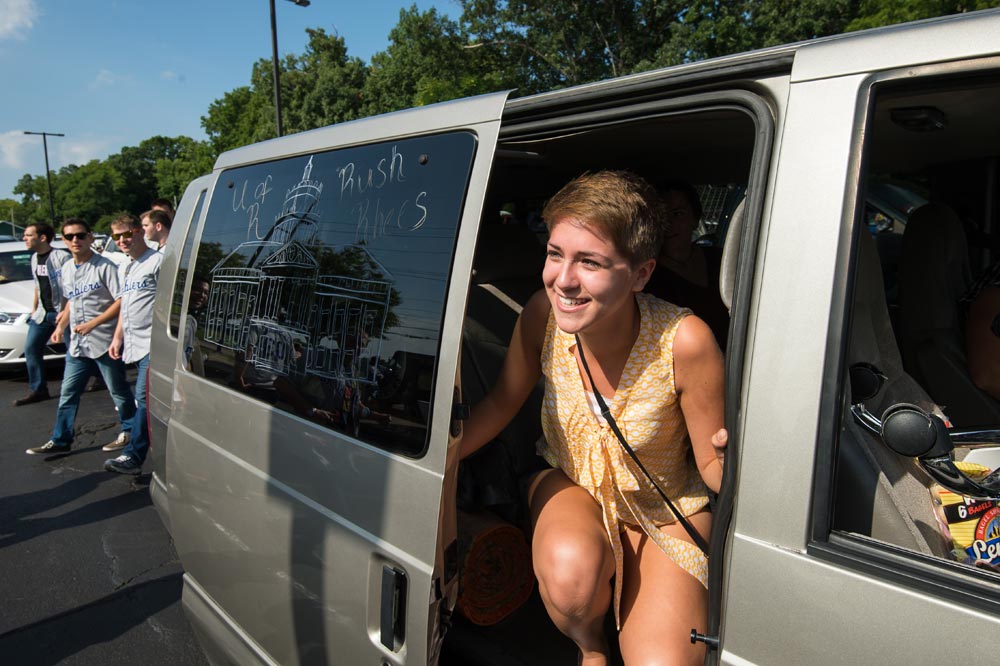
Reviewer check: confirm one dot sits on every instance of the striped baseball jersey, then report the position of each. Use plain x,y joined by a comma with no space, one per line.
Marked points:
137,289
90,288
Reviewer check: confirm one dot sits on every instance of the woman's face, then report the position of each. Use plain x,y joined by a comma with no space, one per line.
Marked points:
680,224
587,279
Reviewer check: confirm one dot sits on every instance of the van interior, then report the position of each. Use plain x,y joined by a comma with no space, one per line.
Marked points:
937,143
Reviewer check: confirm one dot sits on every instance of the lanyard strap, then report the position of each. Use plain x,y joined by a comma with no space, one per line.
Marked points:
606,413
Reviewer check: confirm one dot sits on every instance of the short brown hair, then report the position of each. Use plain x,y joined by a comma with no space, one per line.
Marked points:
157,216
618,205
127,220
69,221
43,229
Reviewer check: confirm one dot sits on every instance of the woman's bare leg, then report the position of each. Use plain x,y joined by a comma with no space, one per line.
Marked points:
573,561
661,603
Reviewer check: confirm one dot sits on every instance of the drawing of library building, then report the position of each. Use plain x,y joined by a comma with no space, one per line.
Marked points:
268,301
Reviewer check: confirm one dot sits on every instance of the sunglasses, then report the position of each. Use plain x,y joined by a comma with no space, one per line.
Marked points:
122,234
80,236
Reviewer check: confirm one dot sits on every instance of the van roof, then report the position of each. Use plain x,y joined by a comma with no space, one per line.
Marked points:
870,50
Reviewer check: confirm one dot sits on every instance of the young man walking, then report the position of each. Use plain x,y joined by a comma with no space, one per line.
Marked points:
137,279
88,283
46,263
156,226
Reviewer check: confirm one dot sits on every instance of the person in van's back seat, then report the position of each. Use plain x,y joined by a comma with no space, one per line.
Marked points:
595,515
687,274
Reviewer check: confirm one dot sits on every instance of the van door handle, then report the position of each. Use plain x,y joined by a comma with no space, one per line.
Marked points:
393,611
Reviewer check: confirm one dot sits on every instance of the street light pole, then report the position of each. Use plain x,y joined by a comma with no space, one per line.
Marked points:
48,176
274,63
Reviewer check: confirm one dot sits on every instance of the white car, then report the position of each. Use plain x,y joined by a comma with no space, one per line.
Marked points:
17,291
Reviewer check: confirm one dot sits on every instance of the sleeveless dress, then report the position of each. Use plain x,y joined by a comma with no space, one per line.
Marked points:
648,412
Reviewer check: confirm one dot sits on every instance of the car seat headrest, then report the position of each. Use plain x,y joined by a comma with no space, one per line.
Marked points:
730,255
506,251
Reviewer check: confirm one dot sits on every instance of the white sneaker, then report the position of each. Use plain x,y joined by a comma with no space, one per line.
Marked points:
120,442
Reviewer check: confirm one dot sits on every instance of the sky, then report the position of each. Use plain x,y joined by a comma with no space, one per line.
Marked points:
110,73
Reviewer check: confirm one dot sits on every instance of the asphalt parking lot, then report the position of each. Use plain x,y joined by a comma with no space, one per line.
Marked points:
89,574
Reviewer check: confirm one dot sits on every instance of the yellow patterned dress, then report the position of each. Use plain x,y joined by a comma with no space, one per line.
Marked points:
648,412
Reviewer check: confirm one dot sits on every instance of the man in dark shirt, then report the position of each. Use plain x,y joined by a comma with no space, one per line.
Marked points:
45,266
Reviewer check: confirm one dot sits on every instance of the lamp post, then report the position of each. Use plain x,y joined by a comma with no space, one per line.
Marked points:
274,62
48,176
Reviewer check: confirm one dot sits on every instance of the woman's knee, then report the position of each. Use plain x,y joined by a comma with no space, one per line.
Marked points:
573,575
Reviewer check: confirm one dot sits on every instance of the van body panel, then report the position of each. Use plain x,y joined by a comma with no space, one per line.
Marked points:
787,607
285,526
936,40
785,379
442,117
164,346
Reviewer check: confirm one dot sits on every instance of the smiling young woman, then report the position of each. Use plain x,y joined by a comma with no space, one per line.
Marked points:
596,516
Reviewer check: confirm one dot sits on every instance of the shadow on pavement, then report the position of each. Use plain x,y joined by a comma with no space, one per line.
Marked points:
56,638
18,529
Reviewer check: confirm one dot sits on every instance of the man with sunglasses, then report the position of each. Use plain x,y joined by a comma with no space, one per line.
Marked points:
88,285
137,290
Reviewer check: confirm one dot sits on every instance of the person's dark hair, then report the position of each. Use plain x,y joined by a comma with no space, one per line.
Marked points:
157,216
43,229
691,194
618,205
127,220
74,220
165,205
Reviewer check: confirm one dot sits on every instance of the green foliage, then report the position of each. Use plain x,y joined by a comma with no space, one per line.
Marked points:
876,13
528,45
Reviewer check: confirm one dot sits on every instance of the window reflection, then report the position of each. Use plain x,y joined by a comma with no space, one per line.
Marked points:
333,310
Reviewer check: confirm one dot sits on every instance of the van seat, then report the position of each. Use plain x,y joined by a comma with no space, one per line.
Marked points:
506,272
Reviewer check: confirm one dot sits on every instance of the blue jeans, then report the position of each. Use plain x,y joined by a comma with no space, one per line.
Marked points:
138,446
34,351
78,371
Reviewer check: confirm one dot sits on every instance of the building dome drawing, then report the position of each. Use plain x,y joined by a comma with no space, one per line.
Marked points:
299,217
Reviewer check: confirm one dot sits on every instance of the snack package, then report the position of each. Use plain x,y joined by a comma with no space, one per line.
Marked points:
974,524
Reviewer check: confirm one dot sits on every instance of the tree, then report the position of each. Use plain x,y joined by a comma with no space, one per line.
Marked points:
194,158
876,13
549,44
428,60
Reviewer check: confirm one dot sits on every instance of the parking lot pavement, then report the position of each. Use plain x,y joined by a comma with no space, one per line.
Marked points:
88,573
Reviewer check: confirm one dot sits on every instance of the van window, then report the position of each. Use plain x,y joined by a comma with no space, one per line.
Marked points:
177,302
926,215
326,277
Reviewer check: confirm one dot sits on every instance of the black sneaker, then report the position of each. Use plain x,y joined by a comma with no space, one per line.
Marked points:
48,448
123,464
34,396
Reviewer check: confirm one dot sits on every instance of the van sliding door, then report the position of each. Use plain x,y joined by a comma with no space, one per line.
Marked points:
308,443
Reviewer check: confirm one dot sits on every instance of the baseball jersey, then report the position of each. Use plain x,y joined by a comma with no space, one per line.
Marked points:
90,288
137,289
48,270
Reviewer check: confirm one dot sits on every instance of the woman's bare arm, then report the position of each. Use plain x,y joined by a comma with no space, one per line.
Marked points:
521,371
699,377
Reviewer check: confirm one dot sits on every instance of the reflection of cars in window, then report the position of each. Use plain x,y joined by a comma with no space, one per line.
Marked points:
17,290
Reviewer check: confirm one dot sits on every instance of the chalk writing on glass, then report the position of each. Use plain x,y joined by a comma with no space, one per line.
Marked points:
252,205
359,180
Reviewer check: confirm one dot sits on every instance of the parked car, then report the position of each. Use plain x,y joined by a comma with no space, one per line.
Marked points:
357,270
17,291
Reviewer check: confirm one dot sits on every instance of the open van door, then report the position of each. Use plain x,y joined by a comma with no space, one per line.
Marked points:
307,445
166,323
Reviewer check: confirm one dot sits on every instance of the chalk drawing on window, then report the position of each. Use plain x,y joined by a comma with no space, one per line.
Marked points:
269,302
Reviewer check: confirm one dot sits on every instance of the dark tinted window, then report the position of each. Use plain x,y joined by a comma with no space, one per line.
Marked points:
15,266
199,287
326,282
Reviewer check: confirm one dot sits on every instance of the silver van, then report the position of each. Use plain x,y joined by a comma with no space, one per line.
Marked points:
337,298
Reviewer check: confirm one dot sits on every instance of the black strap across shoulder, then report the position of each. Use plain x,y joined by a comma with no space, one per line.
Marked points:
606,413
